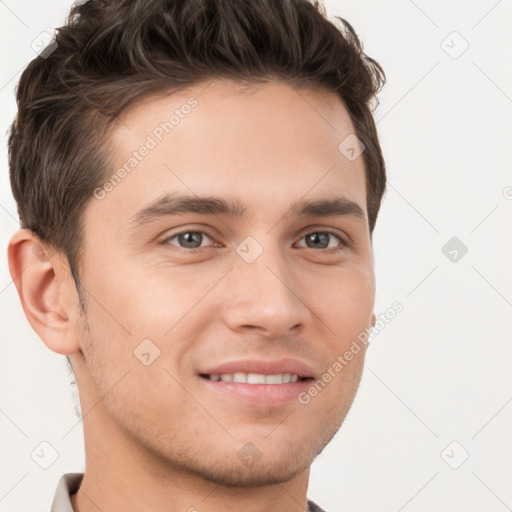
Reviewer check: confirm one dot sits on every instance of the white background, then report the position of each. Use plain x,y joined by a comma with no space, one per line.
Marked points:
441,370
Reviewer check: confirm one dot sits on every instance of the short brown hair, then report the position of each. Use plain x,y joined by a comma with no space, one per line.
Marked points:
112,52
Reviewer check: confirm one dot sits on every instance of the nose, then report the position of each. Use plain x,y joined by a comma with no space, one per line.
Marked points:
264,295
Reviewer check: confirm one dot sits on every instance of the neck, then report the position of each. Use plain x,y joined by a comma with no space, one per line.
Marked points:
123,475
119,477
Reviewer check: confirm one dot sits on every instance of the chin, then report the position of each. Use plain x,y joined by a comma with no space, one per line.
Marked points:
250,467
259,475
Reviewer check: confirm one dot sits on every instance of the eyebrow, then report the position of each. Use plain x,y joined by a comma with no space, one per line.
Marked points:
168,205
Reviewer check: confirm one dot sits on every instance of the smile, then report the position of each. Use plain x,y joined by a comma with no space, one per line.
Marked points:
254,378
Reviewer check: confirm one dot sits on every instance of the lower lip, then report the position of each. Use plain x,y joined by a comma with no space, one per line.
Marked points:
259,394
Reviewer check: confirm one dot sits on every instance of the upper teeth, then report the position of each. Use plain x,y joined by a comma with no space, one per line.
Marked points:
255,378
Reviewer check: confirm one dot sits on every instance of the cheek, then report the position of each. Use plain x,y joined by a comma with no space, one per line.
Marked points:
345,309
138,304
143,319
345,302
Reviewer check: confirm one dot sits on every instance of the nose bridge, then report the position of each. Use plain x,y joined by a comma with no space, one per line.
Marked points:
261,289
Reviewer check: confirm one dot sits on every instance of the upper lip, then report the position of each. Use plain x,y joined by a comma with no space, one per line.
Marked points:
261,366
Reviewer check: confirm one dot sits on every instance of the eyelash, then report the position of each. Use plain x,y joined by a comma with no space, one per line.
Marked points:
343,243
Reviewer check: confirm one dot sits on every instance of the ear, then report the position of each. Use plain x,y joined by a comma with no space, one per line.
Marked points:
374,319
46,290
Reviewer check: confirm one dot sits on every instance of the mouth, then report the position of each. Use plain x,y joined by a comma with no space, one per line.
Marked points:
257,382
255,378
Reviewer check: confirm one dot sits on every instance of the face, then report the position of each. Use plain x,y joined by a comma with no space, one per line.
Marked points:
210,261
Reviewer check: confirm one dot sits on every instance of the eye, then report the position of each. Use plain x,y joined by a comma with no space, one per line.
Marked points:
188,239
314,240
322,240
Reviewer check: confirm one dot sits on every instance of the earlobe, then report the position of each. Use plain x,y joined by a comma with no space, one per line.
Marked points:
33,267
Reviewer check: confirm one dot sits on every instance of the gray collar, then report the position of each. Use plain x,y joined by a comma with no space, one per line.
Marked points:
68,485
70,482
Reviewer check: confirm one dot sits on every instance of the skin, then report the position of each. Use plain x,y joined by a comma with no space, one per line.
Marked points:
156,437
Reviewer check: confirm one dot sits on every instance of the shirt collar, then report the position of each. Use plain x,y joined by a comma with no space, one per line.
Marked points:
68,485
70,482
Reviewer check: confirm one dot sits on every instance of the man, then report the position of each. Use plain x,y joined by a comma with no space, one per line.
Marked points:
198,183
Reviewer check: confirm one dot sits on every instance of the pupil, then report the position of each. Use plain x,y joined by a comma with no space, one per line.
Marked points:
316,237
192,237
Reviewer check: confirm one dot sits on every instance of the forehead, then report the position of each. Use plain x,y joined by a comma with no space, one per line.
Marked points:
269,142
